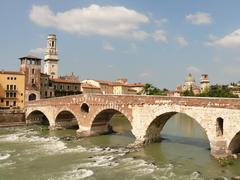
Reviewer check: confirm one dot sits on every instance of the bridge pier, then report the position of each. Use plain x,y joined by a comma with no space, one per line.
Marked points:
219,147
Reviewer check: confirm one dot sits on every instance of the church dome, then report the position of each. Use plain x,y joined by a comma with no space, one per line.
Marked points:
189,78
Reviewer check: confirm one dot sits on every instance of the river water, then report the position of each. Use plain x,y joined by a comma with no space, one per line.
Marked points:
32,153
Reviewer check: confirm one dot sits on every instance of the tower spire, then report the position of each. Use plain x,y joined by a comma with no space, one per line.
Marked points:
51,57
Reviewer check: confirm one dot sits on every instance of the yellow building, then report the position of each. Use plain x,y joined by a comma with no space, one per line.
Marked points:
90,89
12,90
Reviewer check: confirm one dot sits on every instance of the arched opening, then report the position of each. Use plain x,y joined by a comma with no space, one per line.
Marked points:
32,97
66,119
219,126
178,128
234,146
111,121
85,108
37,117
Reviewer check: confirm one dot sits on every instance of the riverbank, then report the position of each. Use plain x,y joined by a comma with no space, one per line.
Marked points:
12,117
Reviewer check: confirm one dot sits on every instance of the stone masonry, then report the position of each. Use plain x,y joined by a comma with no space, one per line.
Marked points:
147,115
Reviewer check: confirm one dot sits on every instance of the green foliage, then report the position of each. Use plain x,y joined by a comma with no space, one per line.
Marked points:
188,93
218,91
149,89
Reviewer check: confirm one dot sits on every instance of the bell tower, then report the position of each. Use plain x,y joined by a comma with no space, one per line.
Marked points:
51,57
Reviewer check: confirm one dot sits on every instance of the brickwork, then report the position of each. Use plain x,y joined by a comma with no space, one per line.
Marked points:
147,115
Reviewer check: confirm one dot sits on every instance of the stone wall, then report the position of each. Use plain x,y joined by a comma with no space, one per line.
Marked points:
11,116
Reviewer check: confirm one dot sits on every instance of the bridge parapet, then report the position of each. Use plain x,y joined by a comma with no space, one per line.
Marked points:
147,115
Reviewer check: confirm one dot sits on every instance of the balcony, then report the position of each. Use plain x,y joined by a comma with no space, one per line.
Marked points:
11,90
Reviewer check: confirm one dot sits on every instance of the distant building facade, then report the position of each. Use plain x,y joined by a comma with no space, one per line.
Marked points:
204,83
190,85
30,66
120,86
12,89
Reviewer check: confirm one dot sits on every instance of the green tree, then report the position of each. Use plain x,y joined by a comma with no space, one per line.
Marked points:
188,92
149,89
219,91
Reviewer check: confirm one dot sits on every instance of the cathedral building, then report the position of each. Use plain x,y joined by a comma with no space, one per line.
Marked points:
190,85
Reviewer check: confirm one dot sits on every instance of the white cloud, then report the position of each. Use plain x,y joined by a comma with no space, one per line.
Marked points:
160,36
199,18
107,46
193,69
140,35
181,41
37,51
231,40
114,21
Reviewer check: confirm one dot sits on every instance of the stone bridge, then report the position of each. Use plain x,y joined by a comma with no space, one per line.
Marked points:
91,113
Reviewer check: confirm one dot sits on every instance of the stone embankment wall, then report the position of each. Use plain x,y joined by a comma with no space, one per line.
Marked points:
11,117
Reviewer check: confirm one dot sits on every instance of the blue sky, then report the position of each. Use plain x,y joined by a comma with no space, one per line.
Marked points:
155,41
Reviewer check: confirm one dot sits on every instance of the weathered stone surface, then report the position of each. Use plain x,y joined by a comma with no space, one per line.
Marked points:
147,115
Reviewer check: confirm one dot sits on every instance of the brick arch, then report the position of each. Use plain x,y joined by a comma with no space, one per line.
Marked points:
234,144
37,116
102,116
147,115
68,123
153,130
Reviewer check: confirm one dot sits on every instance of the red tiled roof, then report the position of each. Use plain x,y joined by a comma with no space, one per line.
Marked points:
136,85
11,72
105,82
89,86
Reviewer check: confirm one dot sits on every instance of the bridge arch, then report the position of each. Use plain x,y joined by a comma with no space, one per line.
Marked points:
101,121
66,119
234,146
37,117
155,127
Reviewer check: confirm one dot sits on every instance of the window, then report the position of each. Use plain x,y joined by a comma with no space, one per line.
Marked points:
50,94
2,100
52,43
14,94
11,78
11,94
45,93
219,126
7,103
11,87
21,94
7,87
32,81
14,103
8,78
7,94
15,78
33,71
68,87
14,87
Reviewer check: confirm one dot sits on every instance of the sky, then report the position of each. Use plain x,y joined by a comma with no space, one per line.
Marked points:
148,41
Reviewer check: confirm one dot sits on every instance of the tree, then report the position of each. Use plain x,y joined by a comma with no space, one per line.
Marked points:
149,89
219,91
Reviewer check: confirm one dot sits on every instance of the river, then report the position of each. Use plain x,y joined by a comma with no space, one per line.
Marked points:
33,152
